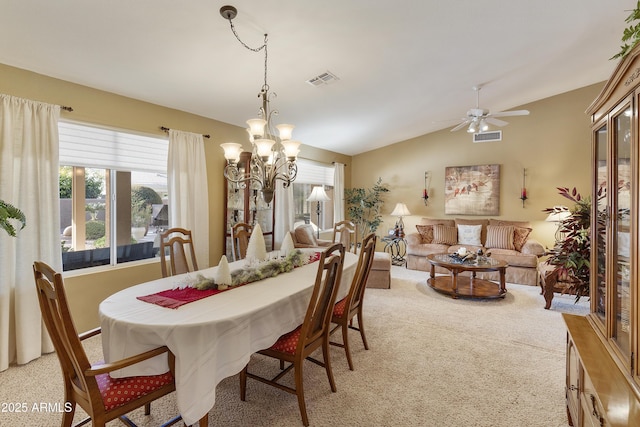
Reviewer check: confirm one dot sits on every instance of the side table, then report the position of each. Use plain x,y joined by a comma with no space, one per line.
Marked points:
396,247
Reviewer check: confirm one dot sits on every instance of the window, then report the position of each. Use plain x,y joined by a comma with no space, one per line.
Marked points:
312,174
113,195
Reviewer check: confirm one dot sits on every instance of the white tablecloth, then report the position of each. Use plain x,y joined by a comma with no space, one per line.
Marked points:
212,338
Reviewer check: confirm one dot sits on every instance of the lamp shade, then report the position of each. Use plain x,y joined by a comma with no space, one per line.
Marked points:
291,148
264,147
231,151
285,131
318,195
559,214
400,210
256,127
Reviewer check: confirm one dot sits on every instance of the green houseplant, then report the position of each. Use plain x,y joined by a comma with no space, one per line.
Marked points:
8,212
363,206
571,256
631,34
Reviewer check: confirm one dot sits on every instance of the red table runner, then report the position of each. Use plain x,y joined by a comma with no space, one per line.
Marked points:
174,298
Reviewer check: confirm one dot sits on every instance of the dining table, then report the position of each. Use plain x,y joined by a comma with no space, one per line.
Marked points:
212,338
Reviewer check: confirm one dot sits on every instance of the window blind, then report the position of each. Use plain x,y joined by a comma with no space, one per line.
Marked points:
93,147
314,173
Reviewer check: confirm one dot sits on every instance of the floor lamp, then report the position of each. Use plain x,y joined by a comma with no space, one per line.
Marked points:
318,195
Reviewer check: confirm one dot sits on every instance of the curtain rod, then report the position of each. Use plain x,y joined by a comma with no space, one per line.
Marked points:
62,107
166,129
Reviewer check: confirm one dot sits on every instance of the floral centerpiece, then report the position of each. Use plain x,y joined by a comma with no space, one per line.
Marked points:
253,273
465,256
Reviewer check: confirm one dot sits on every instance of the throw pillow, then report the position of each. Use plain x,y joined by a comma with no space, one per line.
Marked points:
445,235
436,221
469,234
476,221
500,237
525,224
304,235
426,233
520,235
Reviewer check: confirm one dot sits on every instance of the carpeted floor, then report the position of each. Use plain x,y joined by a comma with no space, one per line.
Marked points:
433,361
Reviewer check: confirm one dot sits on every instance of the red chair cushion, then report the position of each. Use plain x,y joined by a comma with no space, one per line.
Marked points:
288,342
118,391
340,307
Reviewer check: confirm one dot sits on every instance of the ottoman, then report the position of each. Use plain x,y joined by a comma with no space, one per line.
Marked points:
380,274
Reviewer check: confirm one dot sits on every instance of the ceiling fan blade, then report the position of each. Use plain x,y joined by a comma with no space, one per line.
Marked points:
511,113
496,122
460,126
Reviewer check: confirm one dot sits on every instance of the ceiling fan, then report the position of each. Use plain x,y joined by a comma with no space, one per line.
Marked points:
479,119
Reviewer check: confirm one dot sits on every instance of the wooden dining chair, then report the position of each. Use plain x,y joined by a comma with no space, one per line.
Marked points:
296,346
351,306
346,232
102,397
177,242
240,234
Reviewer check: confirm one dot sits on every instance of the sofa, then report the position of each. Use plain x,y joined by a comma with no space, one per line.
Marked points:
506,240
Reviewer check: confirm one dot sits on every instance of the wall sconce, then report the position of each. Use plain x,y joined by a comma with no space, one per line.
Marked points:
523,191
425,191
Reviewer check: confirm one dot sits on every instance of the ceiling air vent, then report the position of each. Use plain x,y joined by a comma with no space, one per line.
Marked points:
323,79
488,136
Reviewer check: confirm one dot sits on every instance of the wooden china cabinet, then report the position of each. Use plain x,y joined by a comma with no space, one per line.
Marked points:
245,204
603,384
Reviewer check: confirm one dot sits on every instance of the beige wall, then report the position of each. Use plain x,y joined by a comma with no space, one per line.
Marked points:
108,109
552,143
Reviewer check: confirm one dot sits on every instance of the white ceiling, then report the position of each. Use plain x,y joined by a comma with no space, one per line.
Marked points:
405,66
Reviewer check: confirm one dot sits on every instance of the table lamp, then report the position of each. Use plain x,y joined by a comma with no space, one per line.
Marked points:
318,195
559,214
400,210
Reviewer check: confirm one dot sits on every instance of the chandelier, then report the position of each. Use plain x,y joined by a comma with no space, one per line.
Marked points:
273,156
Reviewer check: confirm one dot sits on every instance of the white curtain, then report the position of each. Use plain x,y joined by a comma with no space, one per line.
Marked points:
338,192
188,190
29,181
283,212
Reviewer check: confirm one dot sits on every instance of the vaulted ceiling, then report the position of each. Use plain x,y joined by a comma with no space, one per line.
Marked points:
405,67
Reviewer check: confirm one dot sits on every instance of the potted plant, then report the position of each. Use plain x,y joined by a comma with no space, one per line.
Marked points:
140,220
571,256
363,206
9,212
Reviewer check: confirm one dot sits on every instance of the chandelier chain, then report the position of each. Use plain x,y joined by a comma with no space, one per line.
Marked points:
255,49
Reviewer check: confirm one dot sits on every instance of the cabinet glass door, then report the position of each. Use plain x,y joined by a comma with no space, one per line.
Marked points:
235,212
598,281
621,208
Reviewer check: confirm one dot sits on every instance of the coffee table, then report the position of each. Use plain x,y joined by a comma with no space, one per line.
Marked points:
465,286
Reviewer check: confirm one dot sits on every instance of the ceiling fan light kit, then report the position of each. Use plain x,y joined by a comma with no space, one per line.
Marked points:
479,119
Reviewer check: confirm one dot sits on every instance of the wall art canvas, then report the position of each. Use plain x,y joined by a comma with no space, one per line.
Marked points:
472,190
